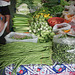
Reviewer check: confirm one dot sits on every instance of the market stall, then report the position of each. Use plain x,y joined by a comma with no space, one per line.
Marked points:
43,39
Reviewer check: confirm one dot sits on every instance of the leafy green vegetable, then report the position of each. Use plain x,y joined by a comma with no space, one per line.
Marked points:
56,10
60,53
63,3
50,3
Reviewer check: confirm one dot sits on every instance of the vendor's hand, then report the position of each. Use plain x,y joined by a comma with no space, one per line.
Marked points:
7,0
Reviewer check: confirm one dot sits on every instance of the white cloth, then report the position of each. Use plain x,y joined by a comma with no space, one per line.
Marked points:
1,33
4,3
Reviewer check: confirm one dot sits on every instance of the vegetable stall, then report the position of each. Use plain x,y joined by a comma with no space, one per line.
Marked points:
43,33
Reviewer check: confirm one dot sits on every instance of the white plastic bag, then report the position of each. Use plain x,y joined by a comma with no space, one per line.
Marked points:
11,34
65,41
1,33
65,13
73,19
62,26
64,48
72,8
69,18
67,8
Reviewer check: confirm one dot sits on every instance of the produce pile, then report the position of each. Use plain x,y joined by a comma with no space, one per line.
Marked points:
27,6
23,9
52,3
20,53
60,50
40,28
21,23
56,10
45,51
35,23
19,2
63,3
64,52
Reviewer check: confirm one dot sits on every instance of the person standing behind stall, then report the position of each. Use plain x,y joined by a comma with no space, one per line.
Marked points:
4,10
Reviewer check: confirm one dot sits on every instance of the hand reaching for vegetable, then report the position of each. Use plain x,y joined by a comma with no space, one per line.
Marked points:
7,0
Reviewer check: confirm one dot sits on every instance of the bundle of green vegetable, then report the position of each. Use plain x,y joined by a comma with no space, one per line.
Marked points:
50,3
20,53
23,9
63,3
28,2
21,23
56,10
40,28
29,6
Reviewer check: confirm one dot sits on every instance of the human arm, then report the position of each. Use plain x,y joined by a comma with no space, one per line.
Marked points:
2,17
1,25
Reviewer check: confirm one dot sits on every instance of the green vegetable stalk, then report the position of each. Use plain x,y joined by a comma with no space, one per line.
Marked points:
22,53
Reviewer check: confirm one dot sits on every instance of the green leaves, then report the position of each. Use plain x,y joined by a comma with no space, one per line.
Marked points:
56,9
63,3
